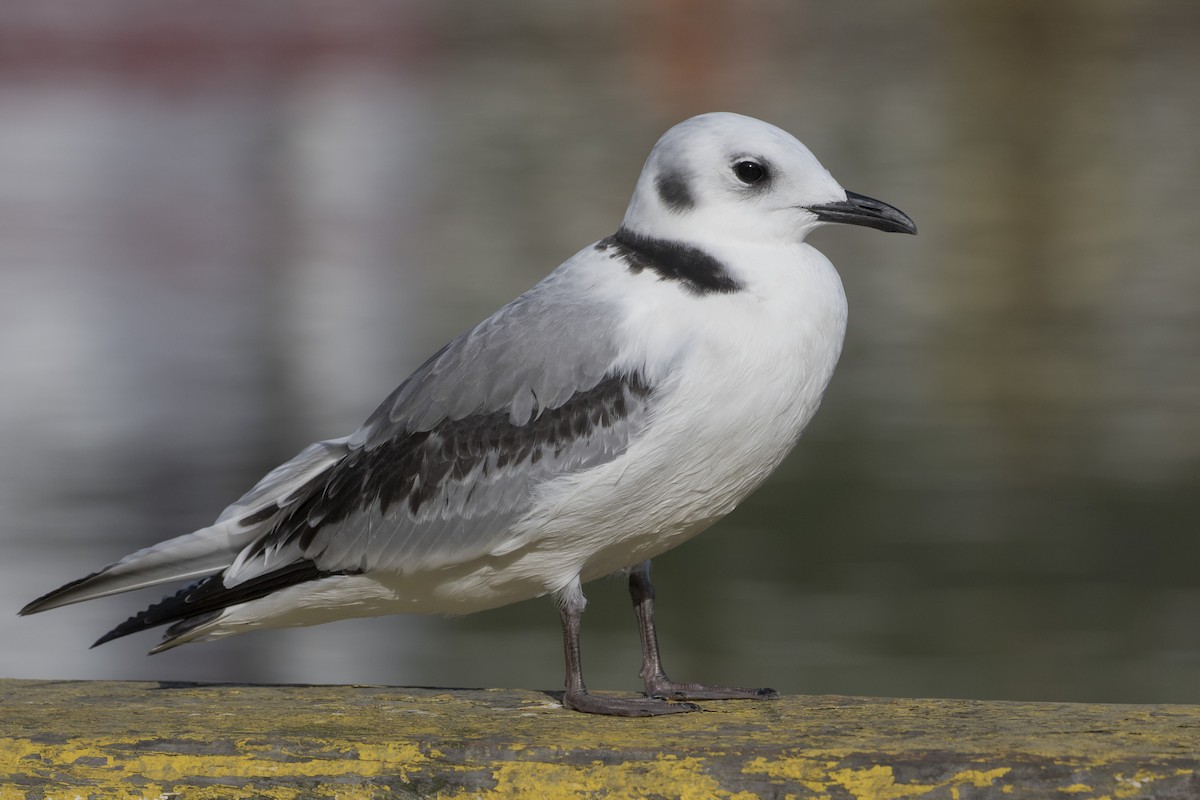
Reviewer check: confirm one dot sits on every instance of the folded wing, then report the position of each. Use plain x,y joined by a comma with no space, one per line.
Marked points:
436,476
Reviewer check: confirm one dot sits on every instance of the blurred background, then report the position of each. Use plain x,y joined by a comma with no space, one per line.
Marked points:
228,228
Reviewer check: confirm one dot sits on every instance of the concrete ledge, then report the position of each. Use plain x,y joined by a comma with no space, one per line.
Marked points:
93,739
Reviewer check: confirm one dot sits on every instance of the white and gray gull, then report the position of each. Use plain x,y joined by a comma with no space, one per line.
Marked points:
615,410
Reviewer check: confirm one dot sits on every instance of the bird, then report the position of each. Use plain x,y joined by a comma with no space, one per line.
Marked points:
623,404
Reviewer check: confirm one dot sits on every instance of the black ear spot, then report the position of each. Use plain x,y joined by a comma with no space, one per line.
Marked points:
674,191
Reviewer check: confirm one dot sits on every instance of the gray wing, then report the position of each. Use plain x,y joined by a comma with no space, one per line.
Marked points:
451,459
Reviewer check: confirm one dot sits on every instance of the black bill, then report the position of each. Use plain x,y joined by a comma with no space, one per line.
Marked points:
858,209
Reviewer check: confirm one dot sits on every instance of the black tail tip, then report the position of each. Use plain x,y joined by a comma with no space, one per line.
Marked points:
53,599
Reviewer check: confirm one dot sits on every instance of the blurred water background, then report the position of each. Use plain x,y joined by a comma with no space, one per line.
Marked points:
230,227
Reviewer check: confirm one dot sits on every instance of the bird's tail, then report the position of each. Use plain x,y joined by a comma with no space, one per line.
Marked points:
208,550
204,601
185,557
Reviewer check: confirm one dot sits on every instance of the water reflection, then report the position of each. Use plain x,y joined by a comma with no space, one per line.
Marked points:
227,230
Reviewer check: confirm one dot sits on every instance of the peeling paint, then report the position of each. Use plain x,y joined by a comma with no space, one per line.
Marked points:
876,782
150,740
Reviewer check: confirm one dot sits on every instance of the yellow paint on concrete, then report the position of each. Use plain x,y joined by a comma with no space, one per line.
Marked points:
809,772
666,776
93,760
1137,785
877,782
101,772
135,740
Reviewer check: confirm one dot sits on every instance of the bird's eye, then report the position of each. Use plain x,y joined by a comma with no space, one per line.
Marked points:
749,171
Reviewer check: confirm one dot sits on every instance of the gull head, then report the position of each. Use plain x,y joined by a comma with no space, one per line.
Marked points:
732,177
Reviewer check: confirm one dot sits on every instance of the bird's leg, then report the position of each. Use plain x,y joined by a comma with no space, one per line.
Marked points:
577,697
655,678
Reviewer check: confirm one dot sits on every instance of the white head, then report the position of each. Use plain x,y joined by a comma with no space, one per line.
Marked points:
727,176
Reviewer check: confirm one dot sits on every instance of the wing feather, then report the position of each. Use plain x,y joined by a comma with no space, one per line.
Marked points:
447,463
438,473
427,499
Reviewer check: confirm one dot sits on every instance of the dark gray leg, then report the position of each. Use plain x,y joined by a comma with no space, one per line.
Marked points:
577,697
655,678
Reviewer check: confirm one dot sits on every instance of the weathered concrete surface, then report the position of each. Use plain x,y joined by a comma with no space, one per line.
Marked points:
125,740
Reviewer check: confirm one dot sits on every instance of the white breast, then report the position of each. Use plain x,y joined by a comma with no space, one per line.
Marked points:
741,375
738,376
